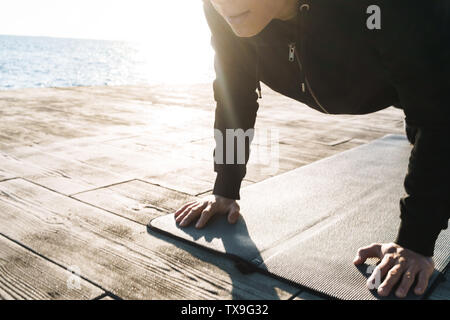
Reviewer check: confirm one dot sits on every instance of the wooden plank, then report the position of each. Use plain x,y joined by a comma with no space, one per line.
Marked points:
34,115
185,166
61,174
291,154
120,255
193,180
196,143
196,178
144,140
27,276
136,200
307,124
5,176
167,169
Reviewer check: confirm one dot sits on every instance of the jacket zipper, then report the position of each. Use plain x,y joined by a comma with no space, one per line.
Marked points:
294,54
291,51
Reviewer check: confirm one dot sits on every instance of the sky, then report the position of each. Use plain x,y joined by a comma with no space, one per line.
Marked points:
174,32
103,19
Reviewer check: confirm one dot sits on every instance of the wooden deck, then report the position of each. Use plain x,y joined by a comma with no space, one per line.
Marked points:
82,171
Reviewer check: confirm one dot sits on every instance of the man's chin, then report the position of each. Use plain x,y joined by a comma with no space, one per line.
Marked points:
245,32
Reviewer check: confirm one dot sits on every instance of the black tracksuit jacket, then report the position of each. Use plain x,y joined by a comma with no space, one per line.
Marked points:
327,58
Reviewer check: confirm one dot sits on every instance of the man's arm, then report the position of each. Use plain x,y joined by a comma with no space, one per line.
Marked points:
236,99
426,209
417,60
413,45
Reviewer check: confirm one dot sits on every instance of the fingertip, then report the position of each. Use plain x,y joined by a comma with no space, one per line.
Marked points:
357,260
233,217
199,225
418,291
183,223
382,291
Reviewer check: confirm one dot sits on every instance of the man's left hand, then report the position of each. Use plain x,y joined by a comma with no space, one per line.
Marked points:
398,265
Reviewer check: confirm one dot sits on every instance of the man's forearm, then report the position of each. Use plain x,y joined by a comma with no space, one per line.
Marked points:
230,174
227,186
426,209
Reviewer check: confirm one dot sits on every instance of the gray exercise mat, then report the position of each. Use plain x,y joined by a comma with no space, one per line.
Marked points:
306,225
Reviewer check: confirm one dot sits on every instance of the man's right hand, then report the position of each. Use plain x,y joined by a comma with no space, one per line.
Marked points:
204,208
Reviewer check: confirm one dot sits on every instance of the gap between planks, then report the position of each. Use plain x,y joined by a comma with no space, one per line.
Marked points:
120,256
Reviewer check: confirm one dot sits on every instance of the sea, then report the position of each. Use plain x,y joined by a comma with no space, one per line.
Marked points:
33,62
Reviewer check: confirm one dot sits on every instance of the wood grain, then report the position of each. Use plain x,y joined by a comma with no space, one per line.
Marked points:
136,200
119,254
119,156
27,276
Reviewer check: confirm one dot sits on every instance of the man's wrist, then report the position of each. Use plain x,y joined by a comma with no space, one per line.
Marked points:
227,185
417,233
416,237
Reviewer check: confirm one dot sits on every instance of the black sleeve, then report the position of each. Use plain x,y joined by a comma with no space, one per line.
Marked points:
236,101
416,54
426,209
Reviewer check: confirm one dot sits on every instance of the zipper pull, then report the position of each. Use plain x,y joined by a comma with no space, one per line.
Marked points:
259,90
303,87
291,51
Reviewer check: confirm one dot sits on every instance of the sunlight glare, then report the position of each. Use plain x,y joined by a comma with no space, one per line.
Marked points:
170,37
175,43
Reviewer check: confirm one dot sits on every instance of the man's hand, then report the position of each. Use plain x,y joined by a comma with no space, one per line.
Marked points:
205,208
399,265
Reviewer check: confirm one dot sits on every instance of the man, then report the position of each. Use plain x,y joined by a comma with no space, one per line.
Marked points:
344,57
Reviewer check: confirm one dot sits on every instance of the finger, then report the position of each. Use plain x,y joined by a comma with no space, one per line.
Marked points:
407,280
181,216
192,214
422,282
184,210
206,214
181,209
373,250
393,276
233,215
380,271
